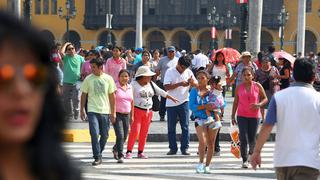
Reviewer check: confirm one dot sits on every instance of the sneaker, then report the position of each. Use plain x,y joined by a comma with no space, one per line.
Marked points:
217,125
245,165
115,154
207,170
172,152
142,156
128,155
209,120
97,161
120,160
187,153
200,168
162,119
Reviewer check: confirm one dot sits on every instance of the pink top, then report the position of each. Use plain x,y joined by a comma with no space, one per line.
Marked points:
113,67
246,98
124,97
85,69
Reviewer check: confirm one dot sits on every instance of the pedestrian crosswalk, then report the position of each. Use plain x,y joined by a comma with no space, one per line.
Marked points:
161,166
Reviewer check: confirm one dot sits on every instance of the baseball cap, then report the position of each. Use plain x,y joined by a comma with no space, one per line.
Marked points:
171,48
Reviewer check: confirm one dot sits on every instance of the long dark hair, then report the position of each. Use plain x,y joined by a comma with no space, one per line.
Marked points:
216,59
45,155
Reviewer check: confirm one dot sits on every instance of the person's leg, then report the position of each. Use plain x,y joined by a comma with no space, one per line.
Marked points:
125,129
183,114
302,173
144,131
104,125
201,146
66,93
75,101
162,111
217,142
172,121
281,173
135,128
224,89
243,134
252,132
94,133
118,130
210,136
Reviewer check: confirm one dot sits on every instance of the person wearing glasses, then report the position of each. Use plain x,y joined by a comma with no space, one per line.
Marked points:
31,114
72,63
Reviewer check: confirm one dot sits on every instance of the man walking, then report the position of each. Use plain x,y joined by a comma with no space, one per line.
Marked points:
296,110
100,89
177,82
166,62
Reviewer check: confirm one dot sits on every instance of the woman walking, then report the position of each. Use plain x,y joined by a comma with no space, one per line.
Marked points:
198,100
143,91
249,98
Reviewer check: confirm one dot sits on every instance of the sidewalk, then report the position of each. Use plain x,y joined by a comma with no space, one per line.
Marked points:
78,131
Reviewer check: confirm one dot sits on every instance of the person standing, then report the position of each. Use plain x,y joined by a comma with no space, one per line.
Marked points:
298,122
285,73
100,89
115,63
166,62
71,63
177,82
249,98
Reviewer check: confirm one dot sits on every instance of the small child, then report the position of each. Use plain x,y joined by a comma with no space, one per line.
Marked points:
217,102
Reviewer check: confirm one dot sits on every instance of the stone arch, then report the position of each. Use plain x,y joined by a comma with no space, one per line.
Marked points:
48,36
310,41
182,39
204,40
155,40
266,40
103,39
129,39
74,38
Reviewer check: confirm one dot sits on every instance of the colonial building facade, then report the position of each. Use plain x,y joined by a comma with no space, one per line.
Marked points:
182,23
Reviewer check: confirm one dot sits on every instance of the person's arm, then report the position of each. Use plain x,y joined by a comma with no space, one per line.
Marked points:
286,74
112,101
262,96
63,49
235,106
82,104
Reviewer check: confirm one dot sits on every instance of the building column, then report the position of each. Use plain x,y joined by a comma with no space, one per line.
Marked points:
168,43
301,26
139,24
255,20
194,44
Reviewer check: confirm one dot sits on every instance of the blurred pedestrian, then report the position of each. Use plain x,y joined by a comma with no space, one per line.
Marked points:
285,73
114,64
31,114
295,111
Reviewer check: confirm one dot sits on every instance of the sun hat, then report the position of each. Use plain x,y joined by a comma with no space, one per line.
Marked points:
144,71
246,53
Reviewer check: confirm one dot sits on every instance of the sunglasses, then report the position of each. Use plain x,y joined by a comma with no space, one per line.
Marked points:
70,49
36,75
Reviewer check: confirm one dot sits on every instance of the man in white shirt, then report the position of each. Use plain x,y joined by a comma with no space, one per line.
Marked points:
177,82
199,61
296,110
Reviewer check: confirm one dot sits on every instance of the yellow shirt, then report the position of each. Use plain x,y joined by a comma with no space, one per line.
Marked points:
98,89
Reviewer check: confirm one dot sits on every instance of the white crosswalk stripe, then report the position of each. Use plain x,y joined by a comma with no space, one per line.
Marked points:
161,166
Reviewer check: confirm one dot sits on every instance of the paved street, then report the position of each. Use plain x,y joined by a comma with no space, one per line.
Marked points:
160,166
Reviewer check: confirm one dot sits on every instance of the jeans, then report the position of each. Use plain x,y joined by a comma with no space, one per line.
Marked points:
247,134
181,112
98,125
121,128
297,173
162,111
71,99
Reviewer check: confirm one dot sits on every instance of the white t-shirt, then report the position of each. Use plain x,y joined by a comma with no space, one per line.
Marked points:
220,71
200,60
142,95
181,93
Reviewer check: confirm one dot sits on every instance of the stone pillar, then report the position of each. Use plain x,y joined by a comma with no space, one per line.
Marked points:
301,26
194,44
255,20
139,24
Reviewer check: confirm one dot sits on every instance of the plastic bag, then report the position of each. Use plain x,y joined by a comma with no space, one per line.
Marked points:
234,133
235,149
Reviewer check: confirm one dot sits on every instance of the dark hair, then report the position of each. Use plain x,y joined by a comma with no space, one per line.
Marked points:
304,70
215,79
216,60
97,61
124,71
145,51
247,68
286,63
138,78
44,153
185,61
260,56
67,46
117,47
202,72
271,49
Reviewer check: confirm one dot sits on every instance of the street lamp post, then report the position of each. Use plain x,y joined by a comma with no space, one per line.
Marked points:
229,22
70,14
108,24
213,18
243,26
283,18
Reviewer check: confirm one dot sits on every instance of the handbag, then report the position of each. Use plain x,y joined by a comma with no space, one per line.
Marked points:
235,143
155,100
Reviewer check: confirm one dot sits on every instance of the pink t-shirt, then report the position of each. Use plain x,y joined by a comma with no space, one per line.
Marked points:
85,69
124,97
246,98
113,67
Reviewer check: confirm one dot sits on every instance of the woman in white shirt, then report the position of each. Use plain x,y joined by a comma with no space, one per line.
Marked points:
143,91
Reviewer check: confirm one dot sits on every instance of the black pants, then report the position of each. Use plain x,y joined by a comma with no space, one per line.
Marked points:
121,128
247,133
162,111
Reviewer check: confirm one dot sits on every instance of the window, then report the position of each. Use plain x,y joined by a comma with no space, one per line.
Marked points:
203,11
45,6
309,6
127,7
202,6
178,6
54,7
38,7
101,7
150,7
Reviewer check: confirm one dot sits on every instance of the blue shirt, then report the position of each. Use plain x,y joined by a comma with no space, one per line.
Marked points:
194,101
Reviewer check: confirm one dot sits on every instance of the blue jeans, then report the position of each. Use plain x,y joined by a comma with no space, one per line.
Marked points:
98,125
181,111
121,129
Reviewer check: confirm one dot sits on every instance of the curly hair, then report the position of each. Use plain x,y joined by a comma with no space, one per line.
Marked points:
44,152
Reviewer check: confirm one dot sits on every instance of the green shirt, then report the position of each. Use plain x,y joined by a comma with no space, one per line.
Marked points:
98,89
72,68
